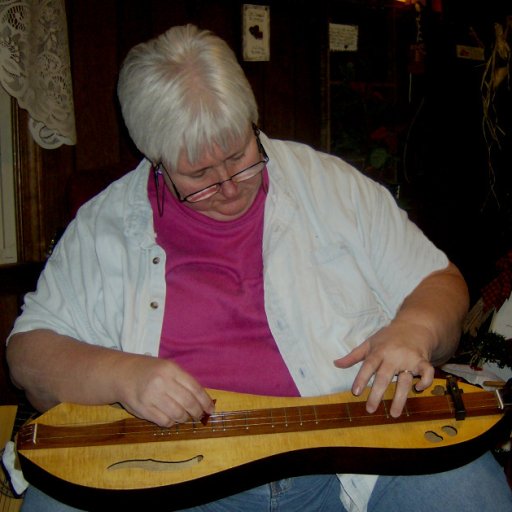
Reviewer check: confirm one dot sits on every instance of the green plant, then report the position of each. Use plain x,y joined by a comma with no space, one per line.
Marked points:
485,347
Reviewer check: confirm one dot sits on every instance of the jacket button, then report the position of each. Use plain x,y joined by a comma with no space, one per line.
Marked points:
154,305
156,260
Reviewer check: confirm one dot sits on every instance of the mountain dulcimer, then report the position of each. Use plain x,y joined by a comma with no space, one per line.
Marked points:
92,455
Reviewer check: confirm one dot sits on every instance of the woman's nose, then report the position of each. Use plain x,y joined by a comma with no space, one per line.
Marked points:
229,188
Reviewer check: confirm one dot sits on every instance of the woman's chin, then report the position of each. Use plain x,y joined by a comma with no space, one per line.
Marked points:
226,209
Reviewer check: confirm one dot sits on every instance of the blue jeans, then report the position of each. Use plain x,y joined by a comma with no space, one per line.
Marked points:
480,486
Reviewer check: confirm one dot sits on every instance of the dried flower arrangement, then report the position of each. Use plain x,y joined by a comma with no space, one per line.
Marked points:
497,74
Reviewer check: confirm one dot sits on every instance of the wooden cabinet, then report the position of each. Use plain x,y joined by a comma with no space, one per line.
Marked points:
366,108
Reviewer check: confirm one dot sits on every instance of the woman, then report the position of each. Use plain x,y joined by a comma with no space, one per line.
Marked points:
232,261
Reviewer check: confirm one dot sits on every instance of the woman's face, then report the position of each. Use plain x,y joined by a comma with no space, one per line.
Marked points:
233,199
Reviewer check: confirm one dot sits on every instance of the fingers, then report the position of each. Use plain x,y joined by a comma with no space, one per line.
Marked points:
178,408
355,356
183,405
169,410
405,381
398,350
381,370
161,392
426,372
404,384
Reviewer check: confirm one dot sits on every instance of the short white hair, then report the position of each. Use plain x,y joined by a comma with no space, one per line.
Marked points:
184,91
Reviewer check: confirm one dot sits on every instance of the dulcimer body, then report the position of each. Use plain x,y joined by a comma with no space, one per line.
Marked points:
96,456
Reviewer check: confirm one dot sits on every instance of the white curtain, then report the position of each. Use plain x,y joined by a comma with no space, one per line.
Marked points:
35,67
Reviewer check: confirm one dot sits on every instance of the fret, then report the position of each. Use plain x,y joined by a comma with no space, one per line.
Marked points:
449,404
310,416
385,407
347,407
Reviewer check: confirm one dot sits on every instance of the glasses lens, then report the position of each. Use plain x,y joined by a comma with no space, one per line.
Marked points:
249,173
203,194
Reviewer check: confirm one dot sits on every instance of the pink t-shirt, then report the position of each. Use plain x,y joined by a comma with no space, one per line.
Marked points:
215,326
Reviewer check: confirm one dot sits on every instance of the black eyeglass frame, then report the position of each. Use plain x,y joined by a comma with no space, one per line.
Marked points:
219,184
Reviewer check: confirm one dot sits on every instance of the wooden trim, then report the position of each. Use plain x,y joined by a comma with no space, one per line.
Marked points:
27,171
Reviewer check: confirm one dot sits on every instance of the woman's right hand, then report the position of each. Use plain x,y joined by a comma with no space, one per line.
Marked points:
160,391
52,368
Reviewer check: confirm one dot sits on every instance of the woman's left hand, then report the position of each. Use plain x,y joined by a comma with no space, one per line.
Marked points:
425,332
397,350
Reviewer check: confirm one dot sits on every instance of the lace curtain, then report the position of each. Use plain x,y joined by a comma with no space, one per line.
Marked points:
35,67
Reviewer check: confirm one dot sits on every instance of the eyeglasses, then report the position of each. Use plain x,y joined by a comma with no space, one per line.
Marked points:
206,192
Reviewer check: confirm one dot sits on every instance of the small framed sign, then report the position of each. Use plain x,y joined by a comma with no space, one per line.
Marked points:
256,32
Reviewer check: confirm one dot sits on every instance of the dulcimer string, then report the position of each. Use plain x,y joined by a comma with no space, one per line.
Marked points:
253,421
